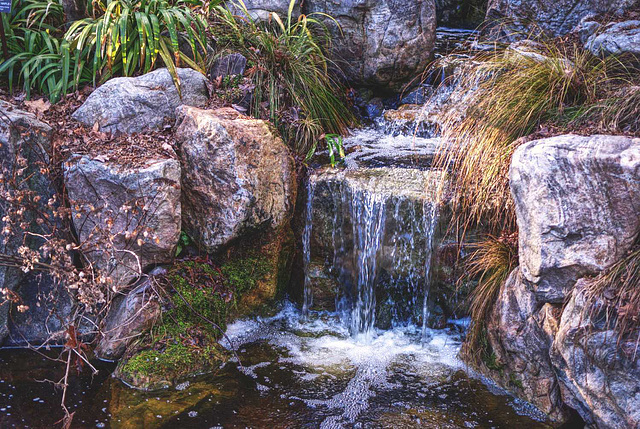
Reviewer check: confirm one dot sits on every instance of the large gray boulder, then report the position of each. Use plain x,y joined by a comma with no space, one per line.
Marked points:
147,102
577,200
127,218
379,43
551,17
600,371
25,145
237,175
616,39
261,9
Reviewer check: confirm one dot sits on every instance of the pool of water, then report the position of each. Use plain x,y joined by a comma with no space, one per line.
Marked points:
295,372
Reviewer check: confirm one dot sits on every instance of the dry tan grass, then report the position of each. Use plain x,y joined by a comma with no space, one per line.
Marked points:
491,261
616,291
518,93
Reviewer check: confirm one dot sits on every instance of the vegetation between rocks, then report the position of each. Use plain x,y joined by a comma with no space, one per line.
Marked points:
289,71
533,89
200,298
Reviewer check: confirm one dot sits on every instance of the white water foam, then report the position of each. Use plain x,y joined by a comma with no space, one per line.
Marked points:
323,346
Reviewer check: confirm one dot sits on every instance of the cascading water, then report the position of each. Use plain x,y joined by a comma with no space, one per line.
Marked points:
382,241
306,250
367,215
430,225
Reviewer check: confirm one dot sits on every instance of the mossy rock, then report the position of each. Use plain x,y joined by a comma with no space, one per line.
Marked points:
184,342
262,270
151,369
202,298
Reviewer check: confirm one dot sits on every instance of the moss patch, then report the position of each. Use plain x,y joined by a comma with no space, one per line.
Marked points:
200,299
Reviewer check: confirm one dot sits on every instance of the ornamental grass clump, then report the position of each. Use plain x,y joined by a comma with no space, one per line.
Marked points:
520,90
490,261
289,71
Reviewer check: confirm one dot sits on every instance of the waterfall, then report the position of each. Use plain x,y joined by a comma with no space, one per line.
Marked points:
306,247
430,223
377,227
367,220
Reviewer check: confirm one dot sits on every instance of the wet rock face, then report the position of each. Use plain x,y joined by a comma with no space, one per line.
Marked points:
552,17
130,316
520,343
127,218
460,13
616,39
383,42
147,102
589,361
379,42
22,135
41,325
577,201
372,227
238,176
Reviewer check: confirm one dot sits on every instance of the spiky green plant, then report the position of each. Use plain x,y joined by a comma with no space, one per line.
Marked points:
38,60
124,37
289,70
336,148
40,63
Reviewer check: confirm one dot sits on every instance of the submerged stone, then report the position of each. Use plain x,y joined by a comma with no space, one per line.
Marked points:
129,410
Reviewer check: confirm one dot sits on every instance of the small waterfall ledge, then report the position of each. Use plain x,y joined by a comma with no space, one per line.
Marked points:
368,243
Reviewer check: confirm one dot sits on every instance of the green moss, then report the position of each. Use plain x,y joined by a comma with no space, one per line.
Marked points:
513,381
243,274
151,367
200,299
